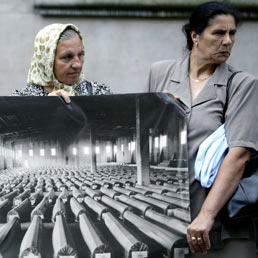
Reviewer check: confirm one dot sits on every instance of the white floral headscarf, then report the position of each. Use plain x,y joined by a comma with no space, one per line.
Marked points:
41,69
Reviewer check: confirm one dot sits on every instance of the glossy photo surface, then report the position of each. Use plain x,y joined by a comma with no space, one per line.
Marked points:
102,177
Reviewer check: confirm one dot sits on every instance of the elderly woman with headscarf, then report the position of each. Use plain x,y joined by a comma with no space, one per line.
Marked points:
56,67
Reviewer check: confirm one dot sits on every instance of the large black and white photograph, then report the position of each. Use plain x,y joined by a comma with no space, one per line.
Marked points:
102,177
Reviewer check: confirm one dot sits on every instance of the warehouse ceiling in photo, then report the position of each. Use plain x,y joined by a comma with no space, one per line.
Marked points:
107,116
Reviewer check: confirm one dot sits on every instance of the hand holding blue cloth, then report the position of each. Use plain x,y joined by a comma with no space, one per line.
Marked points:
210,156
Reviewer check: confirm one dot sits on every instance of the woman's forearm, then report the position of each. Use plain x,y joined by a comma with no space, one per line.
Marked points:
226,181
224,186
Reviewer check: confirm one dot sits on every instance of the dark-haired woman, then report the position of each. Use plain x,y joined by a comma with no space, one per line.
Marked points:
56,66
200,80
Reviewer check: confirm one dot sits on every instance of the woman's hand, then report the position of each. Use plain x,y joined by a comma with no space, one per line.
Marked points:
198,233
64,94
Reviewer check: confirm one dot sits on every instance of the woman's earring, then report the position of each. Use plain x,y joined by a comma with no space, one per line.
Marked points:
196,43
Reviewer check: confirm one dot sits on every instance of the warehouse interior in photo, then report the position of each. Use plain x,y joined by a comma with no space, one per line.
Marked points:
105,176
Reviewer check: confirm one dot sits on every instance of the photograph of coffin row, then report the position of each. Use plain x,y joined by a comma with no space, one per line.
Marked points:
102,177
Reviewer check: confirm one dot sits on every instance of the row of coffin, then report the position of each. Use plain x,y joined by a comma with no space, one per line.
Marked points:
75,208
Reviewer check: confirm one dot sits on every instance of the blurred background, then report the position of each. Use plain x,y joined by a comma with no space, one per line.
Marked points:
122,38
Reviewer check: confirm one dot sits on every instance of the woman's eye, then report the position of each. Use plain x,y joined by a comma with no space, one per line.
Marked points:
81,56
68,57
219,32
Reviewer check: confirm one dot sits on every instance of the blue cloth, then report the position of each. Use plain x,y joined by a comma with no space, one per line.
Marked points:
210,155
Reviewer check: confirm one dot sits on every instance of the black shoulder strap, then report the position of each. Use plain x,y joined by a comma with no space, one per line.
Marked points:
89,87
227,92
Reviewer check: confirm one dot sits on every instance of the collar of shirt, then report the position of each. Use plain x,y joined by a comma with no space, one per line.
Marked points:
180,78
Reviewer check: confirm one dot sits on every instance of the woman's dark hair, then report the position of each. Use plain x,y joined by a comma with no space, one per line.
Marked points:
203,14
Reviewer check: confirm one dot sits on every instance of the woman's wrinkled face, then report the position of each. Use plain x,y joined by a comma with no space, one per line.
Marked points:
69,60
217,40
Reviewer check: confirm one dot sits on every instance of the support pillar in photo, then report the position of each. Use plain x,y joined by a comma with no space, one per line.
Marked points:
93,159
8,154
113,152
142,147
152,147
2,158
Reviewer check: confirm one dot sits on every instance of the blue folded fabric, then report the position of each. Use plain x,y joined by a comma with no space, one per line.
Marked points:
210,155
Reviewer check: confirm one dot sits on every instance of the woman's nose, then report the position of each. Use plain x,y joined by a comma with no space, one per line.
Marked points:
227,40
77,63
